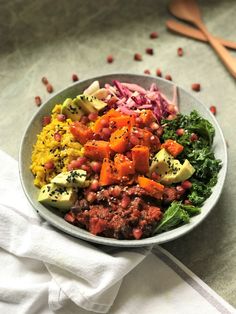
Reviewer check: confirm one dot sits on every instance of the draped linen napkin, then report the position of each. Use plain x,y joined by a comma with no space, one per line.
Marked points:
88,275
43,270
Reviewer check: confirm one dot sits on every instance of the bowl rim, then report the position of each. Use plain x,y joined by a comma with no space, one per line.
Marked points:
73,230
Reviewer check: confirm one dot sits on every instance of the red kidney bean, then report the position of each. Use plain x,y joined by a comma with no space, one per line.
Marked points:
38,100
57,136
49,88
148,72
196,87
116,190
134,139
168,77
70,167
154,126
110,59
96,166
106,133
96,137
186,185
158,72
94,185
75,164
138,57
81,160
75,77
61,117
180,132
86,168
49,165
153,139
171,117
149,51
180,189
193,137
213,110
44,80
171,108
93,116
137,233
180,52
46,120
104,123
153,35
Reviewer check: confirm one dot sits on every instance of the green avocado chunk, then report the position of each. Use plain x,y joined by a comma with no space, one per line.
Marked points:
74,178
161,162
170,169
184,173
71,109
90,104
60,197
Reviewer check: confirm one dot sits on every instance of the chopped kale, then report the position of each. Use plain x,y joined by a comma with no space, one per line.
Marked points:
198,152
176,214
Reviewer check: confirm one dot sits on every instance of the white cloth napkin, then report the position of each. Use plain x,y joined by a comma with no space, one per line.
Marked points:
45,271
88,275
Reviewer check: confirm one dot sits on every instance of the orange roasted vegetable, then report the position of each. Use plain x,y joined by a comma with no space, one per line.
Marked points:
97,150
119,140
124,166
81,132
173,147
123,120
153,188
108,174
147,117
140,157
105,120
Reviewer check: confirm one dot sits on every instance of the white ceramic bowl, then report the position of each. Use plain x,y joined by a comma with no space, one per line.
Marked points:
187,104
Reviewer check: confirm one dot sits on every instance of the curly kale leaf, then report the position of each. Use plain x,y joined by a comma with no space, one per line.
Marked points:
201,126
176,214
199,153
193,123
199,192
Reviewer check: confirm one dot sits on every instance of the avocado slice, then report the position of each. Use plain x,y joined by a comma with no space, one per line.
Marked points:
71,109
90,103
184,173
74,178
53,195
170,169
161,162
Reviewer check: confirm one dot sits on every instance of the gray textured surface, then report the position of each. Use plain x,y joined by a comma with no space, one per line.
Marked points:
57,39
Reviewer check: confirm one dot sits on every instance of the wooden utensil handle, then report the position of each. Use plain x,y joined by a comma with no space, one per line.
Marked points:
224,55
194,33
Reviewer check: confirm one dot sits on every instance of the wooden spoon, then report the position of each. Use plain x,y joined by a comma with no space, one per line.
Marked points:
193,32
188,10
